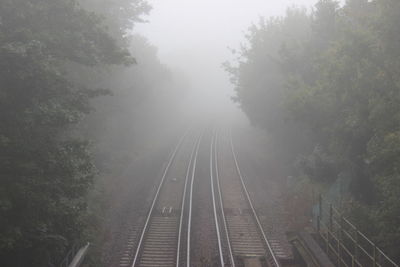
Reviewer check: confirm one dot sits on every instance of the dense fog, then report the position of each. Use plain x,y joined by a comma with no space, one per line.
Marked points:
194,38
95,94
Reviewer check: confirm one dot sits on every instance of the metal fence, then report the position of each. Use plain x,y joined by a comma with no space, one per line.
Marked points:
343,242
75,256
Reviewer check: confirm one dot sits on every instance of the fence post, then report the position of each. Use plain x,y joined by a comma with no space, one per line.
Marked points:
340,239
356,245
327,242
337,228
330,229
320,206
312,196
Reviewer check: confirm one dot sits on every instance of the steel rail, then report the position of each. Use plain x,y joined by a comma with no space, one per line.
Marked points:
146,225
191,203
221,256
270,251
183,202
215,157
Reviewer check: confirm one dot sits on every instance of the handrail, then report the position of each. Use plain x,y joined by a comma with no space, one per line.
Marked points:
69,256
343,239
80,256
75,256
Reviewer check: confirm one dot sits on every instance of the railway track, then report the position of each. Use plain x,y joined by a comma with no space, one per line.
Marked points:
245,243
209,218
204,241
159,243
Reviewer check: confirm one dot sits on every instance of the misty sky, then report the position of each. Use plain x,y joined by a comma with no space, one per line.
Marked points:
192,36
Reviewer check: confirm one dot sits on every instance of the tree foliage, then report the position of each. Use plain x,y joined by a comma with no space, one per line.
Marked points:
125,125
46,171
328,82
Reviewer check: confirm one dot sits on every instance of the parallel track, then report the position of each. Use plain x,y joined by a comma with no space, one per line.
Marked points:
160,240
218,204
190,204
165,240
243,232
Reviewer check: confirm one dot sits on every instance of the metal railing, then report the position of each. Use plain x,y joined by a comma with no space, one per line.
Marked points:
70,256
343,242
75,255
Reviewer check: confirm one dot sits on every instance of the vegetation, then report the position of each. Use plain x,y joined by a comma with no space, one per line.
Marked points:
80,97
56,56
326,88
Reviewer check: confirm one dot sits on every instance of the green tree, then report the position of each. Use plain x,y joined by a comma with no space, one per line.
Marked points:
339,87
45,170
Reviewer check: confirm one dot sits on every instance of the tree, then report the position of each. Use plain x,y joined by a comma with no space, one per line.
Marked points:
339,87
45,170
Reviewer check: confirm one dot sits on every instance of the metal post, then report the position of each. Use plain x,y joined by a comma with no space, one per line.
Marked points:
338,252
320,206
327,241
356,250
340,239
312,196
330,228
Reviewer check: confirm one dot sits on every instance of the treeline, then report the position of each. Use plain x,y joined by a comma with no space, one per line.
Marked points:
326,87
73,79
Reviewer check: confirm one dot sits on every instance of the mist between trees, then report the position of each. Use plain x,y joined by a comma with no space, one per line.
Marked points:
82,97
325,86
79,97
